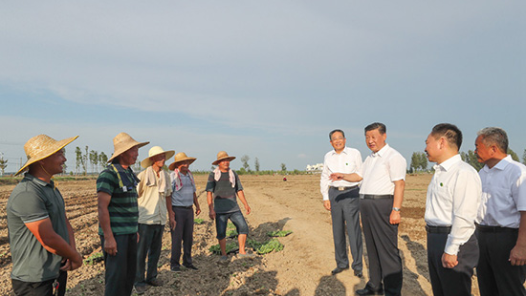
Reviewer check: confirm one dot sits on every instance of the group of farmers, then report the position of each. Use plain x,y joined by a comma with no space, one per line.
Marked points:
473,219
132,209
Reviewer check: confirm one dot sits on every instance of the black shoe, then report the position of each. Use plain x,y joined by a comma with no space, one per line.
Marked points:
358,273
369,291
190,266
338,270
175,268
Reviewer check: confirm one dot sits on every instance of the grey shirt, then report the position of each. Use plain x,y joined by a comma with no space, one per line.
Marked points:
34,200
224,194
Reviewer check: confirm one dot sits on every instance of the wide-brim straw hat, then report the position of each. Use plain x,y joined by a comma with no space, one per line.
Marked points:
180,157
40,147
122,143
222,155
154,151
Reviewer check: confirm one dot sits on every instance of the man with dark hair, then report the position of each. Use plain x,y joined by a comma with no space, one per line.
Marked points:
453,197
501,218
118,216
342,199
40,236
381,193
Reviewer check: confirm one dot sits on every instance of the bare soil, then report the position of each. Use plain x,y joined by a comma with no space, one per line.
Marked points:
302,268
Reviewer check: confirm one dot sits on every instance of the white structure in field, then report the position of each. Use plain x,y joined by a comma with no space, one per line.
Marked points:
315,167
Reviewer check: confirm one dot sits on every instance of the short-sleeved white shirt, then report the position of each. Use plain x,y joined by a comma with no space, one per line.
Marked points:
381,169
347,162
503,194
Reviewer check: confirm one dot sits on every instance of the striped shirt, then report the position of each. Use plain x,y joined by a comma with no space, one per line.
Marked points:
123,209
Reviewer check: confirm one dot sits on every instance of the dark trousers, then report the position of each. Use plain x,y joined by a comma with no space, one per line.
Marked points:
41,288
183,233
454,281
381,241
120,269
150,244
495,274
345,213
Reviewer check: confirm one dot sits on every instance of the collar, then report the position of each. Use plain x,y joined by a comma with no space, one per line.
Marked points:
501,165
382,151
38,181
343,151
450,162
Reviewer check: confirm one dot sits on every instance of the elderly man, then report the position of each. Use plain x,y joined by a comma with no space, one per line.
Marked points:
222,188
118,216
40,236
381,194
154,189
181,211
501,229
453,197
341,197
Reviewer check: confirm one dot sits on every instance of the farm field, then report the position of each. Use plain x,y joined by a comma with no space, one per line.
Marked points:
302,268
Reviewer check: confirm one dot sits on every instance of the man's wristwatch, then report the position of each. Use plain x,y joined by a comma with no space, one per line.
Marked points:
396,209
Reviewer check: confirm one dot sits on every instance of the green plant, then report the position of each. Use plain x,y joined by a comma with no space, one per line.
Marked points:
198,221
216,249
99,256
270,246
231,233
279,233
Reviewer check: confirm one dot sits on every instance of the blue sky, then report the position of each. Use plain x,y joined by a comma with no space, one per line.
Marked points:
267,79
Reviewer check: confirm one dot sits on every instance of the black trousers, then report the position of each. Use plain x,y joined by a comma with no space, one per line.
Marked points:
41,288
183,233
381,241
120,269
495,274
451,281
345,213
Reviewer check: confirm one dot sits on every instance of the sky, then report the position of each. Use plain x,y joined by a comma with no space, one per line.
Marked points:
267,79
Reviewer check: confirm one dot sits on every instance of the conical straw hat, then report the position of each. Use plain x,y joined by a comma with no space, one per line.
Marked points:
122,143
156,150
222,155
179,157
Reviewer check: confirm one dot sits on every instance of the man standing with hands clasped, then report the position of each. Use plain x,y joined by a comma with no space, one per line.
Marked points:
342,199
501,229
453,198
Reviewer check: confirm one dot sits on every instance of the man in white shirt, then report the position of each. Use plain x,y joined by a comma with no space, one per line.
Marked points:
342,199
154,189
453,197
501,219
381,194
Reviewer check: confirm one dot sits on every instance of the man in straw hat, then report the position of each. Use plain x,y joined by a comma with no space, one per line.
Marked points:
118,216
154,191
40,236
181,211
222,187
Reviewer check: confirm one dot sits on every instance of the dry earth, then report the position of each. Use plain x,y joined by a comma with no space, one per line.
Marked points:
301,268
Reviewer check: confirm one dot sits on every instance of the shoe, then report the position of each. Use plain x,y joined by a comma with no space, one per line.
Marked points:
338,270
190,266
141,289
155,282
247,255
223,260
369,291
175,268
358,273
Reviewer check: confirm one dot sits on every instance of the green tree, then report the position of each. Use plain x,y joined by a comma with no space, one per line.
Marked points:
94,160
472,159
78,154
103,158
256,164
418,161
3,164
283,167
244,160
513,155
524,157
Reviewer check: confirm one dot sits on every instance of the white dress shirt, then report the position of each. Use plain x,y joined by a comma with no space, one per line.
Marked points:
347,162
381,169
503,194
453,198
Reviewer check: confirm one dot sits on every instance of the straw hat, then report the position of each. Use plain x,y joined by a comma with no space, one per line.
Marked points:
156,150
122,143
40,147
222,155
180,157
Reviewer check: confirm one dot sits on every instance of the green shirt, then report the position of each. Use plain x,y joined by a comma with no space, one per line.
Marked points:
224,194
34,200
123,209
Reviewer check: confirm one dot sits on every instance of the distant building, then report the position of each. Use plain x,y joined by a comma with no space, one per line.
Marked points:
315,168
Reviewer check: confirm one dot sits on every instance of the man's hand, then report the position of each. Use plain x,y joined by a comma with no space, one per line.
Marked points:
110,245
449,261
247,208
172,223
197,210
336,176
518,256
72,264
212,214
394,218
327,204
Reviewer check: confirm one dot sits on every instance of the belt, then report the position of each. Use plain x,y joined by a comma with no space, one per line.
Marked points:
438,229
486,228
182,207
374,196
343,188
